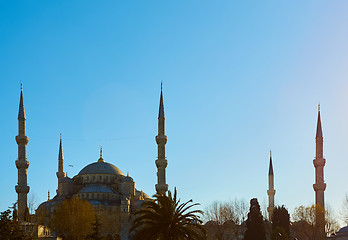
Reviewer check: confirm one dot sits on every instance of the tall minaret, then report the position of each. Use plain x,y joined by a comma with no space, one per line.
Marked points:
60,173
270,191
161,162
22,164
319,186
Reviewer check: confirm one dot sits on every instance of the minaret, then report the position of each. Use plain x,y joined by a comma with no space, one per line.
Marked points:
22,164
161,162
270,191
319,186
60,173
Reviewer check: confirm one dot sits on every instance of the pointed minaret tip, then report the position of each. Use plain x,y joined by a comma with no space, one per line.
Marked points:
161,107
21,113
60,155
270,171
319,129
101,155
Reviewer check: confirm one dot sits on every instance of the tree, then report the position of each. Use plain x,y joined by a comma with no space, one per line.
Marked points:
27,216
280,223
279,234
254,225
10,228
345,210
96,230
166,219
305,227
224,219
73,219
32,203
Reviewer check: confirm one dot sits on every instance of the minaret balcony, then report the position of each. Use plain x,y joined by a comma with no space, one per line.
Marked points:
271,192
161,187
22,140
60,175
319,186
161,163
161,139
20,164
319,162
22,189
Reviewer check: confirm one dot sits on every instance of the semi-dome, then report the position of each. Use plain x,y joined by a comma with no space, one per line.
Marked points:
96,188
101,168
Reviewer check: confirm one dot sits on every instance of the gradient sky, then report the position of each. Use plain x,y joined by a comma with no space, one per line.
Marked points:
240,78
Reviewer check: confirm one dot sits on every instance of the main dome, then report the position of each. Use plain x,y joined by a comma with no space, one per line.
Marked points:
101,168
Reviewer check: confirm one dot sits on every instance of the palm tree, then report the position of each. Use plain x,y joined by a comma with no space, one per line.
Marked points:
166,219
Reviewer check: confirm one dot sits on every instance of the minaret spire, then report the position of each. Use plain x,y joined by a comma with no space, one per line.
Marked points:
22,164
271,191
60,174
161,106
161,139
320,185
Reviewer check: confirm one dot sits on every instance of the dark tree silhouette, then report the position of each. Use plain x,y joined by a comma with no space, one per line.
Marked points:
280,223
167,219
27,217
10,229
255,229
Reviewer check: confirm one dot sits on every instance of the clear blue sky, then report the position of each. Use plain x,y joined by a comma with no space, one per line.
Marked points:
240,78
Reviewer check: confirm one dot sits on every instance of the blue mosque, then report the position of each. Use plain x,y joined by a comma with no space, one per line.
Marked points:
111,193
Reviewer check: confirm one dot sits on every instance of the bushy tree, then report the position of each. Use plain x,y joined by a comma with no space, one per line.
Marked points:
167,219
96,230
255,229
305,222
280,223
225,218
10,228
73,219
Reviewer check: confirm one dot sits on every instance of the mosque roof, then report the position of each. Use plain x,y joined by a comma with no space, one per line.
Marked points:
101,168
96,188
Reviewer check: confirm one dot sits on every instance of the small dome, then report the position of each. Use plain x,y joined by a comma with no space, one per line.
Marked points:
66,180
144,194
127,179
46,204
96,189
101,168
